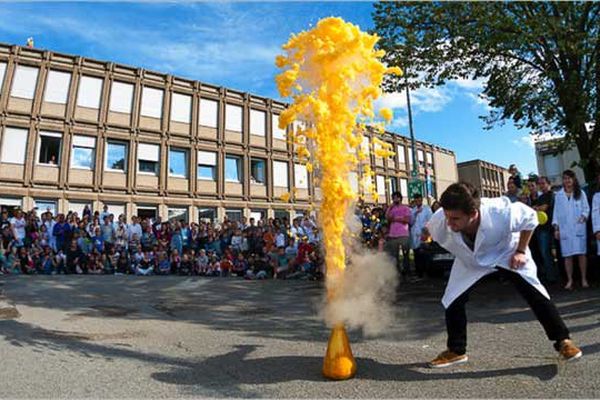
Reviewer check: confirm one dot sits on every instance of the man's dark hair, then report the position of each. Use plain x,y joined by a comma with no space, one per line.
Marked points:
461,196
417,196
397,194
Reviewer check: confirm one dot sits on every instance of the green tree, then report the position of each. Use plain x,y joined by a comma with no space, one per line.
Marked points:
540,61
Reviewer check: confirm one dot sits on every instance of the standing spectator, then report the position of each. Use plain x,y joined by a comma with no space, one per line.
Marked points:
515,175
104,213
420,216
87,212
134,228
18,224
596,216
512,191
398,217
547,270
61,233
571,211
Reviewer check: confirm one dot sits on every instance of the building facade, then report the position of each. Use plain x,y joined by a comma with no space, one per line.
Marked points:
490,179
75,131
552,163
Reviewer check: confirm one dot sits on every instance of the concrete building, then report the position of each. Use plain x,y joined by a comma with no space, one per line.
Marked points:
76,131
489,178
552,163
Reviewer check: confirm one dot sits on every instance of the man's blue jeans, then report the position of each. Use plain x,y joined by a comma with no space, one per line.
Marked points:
548,271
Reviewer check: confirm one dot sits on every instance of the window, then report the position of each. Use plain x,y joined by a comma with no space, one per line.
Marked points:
209,113
404,187
552,165
300,176
90,90
401,154
146,212
207,165
233,118
233,169
257,171
392,184
14,145
278,133
152,101
177,214
280,174
380,180
84,148
116,209
257,122
421,158
353,178
258,215
116,154
49,150
207,214
365,145
181,108
24,82
45,206
430,159
10,204
57,87
148,158
178,162
410,159
121,97
2,72
78,207
234,215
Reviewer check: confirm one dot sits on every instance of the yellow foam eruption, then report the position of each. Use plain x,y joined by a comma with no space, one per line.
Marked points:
333,74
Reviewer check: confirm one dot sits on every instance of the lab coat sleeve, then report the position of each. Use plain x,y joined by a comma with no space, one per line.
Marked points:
596,213
437,226
522,217
585,206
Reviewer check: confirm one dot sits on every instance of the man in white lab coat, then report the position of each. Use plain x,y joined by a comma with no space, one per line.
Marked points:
489,236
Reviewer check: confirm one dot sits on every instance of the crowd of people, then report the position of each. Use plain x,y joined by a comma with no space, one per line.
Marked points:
99,243
569,233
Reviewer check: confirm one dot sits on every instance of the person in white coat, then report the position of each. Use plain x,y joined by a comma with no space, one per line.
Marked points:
420,215
489,236
596,216
571,211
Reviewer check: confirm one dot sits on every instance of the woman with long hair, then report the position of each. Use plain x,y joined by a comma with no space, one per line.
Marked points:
571,211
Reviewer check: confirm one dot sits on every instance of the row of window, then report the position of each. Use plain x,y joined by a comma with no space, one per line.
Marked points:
89,95
121,99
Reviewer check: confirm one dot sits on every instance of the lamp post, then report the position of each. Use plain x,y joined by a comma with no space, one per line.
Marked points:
414,185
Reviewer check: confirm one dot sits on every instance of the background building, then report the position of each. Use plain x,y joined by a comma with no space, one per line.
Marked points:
489,178
76,131
552,163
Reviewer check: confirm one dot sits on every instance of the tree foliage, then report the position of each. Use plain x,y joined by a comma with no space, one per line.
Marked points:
540,60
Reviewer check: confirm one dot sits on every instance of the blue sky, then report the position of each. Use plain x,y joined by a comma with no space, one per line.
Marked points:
234,45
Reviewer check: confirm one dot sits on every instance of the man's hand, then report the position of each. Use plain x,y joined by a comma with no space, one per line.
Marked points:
518,260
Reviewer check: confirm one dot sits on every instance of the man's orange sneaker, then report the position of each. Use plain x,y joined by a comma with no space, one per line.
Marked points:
448,358
568,351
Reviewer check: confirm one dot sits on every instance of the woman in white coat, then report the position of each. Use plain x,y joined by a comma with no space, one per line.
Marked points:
571,211
596,216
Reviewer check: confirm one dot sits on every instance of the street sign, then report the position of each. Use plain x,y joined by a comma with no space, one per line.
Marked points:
415,187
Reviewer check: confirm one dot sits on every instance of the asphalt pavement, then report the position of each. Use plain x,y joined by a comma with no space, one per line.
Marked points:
174,337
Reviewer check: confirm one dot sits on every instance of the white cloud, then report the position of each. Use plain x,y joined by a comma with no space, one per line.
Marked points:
525,141
479,100
470,84
421,100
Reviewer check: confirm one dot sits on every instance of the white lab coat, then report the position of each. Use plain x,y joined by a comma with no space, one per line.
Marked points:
495,244
418,222
567,211
596,217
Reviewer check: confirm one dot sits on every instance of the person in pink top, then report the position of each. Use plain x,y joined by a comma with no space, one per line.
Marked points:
398,218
